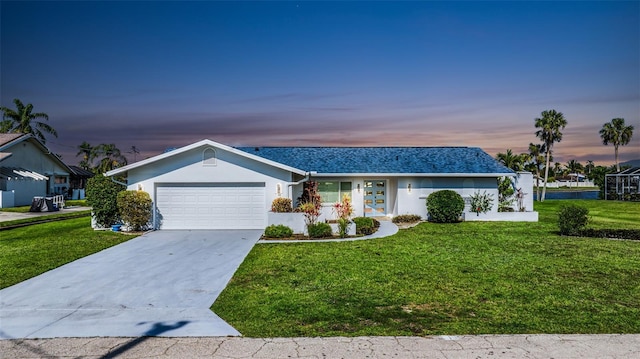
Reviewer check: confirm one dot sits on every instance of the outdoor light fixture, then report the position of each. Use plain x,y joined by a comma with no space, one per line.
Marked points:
279,189
409,188
358,187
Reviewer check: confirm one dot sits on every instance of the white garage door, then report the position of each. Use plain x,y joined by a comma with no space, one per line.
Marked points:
211,206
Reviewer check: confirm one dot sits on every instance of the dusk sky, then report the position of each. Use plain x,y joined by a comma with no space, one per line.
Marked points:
158,74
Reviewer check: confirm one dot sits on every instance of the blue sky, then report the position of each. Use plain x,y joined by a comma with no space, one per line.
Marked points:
165,74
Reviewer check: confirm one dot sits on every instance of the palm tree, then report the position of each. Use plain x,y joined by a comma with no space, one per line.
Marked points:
550,125
111,157
618,134
22,120
589,167
510,160
557,169
88,154
574,166
536,160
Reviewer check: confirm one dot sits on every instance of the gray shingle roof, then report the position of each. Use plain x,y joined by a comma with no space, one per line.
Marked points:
441,160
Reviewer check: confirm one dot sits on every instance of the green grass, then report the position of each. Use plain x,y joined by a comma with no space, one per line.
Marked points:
53,216
466,278
29,251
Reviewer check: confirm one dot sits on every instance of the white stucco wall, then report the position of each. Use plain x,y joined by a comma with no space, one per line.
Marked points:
188,167
414,201
524,180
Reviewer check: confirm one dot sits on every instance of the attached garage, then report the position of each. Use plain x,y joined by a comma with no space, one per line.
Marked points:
211,206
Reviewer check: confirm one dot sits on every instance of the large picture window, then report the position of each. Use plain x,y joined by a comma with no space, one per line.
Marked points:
332,191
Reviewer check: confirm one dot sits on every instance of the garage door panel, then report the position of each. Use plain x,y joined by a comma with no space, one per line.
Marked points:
211,206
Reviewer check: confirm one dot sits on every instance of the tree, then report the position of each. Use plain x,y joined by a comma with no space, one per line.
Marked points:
616,133
589,167
536,160
88,154
110,157
574,166
550,126
23,120
510,160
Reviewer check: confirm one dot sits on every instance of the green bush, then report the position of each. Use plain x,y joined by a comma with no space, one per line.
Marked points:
281,205
320,230
278,231
572,219
102,195
445,206
406,218
364,225
135,208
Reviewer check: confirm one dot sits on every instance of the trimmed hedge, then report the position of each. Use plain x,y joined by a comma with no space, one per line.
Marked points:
320,230
445,206
633,234
278,231
366,225
135,208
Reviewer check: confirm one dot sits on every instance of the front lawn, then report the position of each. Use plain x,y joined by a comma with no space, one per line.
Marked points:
466,278
29,251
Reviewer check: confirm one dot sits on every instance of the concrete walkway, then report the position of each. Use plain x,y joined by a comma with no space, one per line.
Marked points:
438,347
158,284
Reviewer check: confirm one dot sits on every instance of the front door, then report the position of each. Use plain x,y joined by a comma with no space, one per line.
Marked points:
375,198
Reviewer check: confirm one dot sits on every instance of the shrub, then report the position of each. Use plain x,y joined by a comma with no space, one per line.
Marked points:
481,202
364,225
278,231
281,205
633,234
406,218
505,193
319,230
445,206
344,210
135,208
572,218
102,195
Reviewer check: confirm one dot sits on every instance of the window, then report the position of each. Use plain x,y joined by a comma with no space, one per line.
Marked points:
60,180
332,191
209,157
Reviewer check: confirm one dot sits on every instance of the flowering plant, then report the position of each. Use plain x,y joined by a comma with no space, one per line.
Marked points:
344,210
481,202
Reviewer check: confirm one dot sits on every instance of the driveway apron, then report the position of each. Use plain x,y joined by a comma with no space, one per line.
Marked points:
158,284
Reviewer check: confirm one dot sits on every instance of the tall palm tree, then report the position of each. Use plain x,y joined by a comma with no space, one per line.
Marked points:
618,134
536,160
550,126
23,120
88,154
111,157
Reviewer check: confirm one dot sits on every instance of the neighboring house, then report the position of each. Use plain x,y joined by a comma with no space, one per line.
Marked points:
208,185
29,169
78,182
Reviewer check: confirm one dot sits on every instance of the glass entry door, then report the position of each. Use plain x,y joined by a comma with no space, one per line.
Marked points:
375,198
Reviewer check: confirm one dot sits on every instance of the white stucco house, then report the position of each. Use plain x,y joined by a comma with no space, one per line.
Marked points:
208,185
29,169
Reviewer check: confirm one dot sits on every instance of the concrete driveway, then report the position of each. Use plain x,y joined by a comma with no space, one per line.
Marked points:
159,284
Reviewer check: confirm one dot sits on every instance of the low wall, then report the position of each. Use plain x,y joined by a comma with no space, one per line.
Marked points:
293,220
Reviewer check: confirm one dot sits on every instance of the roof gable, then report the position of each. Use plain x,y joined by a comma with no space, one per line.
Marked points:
203,143
9,140
384,160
